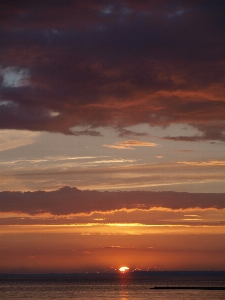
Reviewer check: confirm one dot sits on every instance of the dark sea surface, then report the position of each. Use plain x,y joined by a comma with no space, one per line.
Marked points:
134,285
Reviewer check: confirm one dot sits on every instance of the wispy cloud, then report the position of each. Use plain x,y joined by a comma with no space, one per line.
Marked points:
204,163
126,133
46,159
111,161
11,139
130,144
118,173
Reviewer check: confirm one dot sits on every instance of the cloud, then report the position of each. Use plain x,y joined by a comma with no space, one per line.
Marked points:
86,132
11,139
119,248
204,163
111,174
125,133
114,247
73,201
111,161
45,160
130,144
113,64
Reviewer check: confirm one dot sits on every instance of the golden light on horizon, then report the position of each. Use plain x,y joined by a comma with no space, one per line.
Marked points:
123,269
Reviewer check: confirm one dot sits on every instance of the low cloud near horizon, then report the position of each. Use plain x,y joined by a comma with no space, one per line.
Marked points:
68,200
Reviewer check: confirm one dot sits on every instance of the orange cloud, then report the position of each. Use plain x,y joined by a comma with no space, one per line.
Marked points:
130,144
204,163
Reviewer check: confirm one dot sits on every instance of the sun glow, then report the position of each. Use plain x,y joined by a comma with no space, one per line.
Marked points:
123,269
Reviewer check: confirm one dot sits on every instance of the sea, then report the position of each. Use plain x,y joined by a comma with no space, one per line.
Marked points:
133,285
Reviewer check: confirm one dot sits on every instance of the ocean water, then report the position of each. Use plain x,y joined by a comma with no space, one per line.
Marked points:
131,286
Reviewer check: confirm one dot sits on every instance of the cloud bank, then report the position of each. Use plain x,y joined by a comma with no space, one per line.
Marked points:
73,201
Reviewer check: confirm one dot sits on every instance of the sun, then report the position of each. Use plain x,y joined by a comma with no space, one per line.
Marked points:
123,269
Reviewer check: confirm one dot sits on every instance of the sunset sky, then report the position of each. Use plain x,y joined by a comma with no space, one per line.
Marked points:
112,135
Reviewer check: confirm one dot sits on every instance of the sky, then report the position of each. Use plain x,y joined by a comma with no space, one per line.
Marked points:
112,135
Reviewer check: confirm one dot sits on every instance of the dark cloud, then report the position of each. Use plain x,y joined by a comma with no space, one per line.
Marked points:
113,63
86,132
126,133
209,131
73,201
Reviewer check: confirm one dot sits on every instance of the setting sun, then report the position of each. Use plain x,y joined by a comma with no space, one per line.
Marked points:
123,269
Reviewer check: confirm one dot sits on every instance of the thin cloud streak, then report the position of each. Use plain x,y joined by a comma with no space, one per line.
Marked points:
119,174
130,144
204,163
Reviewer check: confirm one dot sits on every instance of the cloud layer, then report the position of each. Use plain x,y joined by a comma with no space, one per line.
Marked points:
113,63
73,201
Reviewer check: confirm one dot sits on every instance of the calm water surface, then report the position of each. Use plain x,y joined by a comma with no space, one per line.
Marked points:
109,286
